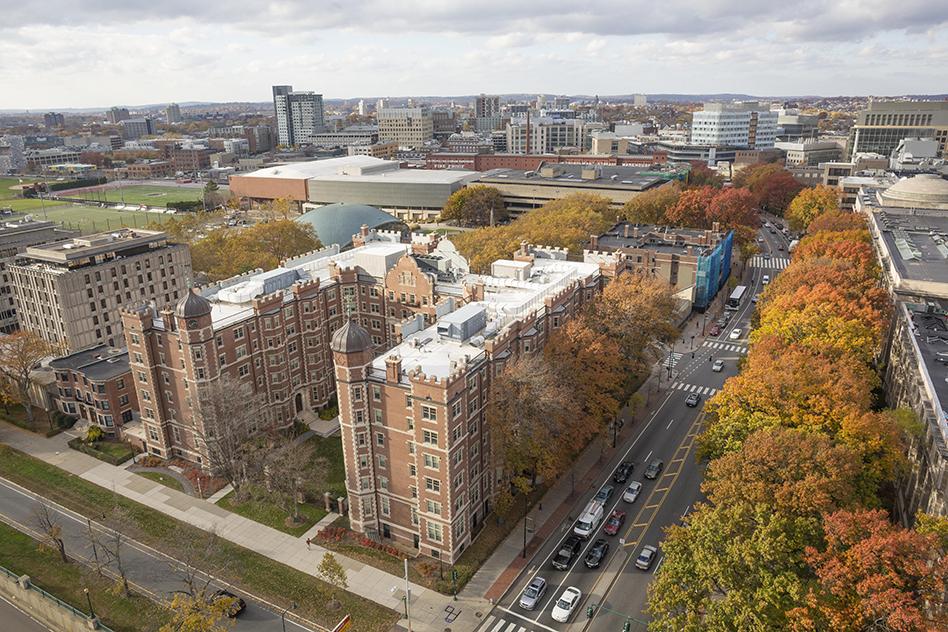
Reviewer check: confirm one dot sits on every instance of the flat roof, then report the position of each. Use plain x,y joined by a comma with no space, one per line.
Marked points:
931,336
311,168
81,248
571,175
400,176
652,237
917,243
96,363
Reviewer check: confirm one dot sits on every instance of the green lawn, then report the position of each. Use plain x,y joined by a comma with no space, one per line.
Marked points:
145,194
92,219
327,472
24,556
164,479
110,451
273,515
15,415
11,198
278,583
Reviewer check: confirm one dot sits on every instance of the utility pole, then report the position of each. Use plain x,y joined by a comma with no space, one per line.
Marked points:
407,596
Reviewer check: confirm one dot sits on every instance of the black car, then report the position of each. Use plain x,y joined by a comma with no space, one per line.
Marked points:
654,469
623,472
692,400
567,553
597,553
237,605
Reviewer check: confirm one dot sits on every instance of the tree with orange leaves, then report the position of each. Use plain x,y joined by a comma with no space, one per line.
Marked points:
836,221
874,575
732,208
20,354
691,209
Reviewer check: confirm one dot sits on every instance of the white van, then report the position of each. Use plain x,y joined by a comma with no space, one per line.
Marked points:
589,520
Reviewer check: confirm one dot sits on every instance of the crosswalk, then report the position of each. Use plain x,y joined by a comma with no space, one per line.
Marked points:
774,263
725,346
694,388
496,624
671,361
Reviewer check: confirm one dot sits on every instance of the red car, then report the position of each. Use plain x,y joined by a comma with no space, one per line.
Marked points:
614,523
714,330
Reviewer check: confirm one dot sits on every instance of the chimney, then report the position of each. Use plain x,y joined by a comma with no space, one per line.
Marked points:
393,368
479,291
716,227
635,231
625,231
594,242
364,230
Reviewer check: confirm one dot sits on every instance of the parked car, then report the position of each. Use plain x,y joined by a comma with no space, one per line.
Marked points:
714,330
780,248
604,494
766,279
566,604
693,399
567,553
736,334
623,472
632,492
718,366
654,469
533,593
646,557
237,605
614,523
597,553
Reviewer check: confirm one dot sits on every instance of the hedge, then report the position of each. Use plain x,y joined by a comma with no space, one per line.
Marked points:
186,205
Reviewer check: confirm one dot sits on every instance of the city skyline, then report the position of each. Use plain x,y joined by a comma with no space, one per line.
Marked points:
157,54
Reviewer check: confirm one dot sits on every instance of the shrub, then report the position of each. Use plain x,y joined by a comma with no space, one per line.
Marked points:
93,434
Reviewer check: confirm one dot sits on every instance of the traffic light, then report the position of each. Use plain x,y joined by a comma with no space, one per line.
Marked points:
626,626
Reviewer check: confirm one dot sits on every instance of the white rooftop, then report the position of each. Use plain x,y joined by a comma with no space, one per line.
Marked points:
312,168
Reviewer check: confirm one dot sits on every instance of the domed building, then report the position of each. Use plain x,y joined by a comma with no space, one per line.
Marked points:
337,223
926,190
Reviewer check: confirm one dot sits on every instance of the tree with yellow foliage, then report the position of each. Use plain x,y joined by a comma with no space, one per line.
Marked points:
224,253
809,204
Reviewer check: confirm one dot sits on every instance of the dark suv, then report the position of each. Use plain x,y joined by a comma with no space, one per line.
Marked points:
622,472
567,553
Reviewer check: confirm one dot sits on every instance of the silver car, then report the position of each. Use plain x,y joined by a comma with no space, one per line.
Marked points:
646,557
533,593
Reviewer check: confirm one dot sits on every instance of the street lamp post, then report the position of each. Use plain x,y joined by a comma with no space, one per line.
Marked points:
89,601
283,614
526,508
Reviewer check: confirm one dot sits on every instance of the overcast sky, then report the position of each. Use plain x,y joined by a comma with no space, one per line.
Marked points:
88,53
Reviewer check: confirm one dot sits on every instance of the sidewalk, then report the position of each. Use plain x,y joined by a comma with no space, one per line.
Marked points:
428,606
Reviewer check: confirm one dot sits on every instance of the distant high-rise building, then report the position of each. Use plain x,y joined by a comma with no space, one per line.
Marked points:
361,108
299,115
880,127
561,103
639,101
486,105
379,104
409,127
12,153
116,115
54,119
136,128
545,134
173,114
749,125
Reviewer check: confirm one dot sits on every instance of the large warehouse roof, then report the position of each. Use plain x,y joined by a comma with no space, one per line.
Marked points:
313,168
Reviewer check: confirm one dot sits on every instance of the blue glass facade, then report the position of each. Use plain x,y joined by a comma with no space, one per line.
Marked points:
713,271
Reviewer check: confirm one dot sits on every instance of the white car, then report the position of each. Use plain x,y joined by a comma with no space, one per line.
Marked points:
565,605
632,492
646,557
718,366
735,334
766,279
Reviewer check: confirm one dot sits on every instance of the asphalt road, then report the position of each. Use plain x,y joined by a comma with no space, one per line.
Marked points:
617,588
148,571
16,621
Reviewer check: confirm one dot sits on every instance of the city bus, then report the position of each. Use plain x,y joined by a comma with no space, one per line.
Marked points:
734,301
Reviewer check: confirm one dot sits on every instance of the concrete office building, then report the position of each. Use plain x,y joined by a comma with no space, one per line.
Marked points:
487,113
793,127
15,237
546,134
410,127
351,135
269,330
173,114
299,115
916,155
525,190
133,129
70,292
694,263
742,125
12,153
809,152
93,142
880,127
54,119
116,115
96,385
415,440
385,150
42,159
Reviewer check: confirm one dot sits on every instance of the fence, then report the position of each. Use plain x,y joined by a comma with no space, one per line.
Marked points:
48,608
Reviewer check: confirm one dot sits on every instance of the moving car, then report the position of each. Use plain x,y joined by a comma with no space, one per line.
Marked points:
780,248
718,366
567,553
766,279
565,605
646,557
692,400
766,255
632,492
614,523
604,494
623,472
237,605
533,593
755,299
736,334
654,469
597,553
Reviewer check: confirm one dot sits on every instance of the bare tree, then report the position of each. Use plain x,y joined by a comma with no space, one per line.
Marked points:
286,467
230,410
111,544
50,528
198,555
20,353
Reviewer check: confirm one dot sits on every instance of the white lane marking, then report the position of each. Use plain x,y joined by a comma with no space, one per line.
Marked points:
669,424
499,625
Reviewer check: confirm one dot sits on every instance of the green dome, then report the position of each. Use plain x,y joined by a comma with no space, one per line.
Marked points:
337,223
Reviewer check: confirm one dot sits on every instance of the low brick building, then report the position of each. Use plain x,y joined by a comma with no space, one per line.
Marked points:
96,385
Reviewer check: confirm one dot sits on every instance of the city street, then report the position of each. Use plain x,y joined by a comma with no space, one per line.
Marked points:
16,621
149,571
617,588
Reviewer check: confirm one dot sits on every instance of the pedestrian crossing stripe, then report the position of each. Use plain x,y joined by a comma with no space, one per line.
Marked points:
672,360
725,346
774,263
493,624
694,388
